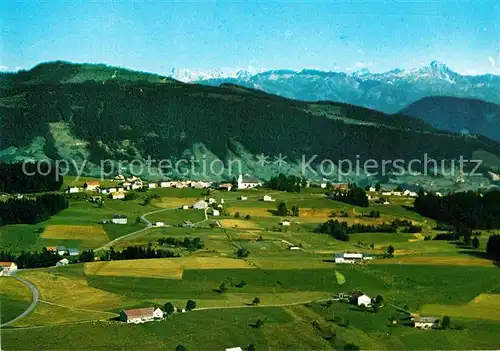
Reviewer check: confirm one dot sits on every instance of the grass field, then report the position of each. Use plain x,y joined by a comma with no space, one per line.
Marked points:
484,306
430,277
88,236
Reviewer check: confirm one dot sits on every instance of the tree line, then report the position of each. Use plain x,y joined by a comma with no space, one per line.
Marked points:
29,178
36,259
136,253
341,230
289,183
31,210
187,243
465,209
354,196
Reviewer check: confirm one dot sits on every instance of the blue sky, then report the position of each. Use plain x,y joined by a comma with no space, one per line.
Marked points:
340,35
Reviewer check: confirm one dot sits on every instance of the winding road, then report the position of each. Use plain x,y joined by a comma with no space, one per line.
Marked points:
34,293
149,225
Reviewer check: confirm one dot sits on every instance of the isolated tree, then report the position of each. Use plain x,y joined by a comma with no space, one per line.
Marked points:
169,308
190,305
138,220
351,347
222,287
377,187
390,250
256,301
259,323
379,300
446,323
242,253
493,246
372,246
248,217
180,348
281,209
467,237
475,242
250,347
236,215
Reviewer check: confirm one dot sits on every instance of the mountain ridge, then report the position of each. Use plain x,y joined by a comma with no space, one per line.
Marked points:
141,116
389,91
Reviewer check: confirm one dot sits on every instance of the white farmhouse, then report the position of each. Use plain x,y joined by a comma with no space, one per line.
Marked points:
73,189
248,182
215,213
267,198
226,186
159,224
211,201
152,185
118,196
426,322
61,250
62,262
141,315
201,205
119,219
364,300
285,223
73,252
137,185
351,257
7,268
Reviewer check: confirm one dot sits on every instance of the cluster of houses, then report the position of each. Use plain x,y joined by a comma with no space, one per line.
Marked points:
351,257
210,205
397,193
134,183
361,299
7,268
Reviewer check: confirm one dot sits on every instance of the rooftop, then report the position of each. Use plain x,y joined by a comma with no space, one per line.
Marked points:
139,312
6,264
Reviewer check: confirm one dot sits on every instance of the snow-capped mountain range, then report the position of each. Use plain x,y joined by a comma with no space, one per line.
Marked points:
195,75
389,91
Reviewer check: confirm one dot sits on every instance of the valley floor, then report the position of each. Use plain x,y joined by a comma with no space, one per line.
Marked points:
79,303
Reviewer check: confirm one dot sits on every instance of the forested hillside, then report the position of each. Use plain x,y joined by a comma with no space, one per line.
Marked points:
117,119
458,114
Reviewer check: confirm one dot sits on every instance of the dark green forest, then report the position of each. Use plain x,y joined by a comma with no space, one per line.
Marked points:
462,210
29,210
29,178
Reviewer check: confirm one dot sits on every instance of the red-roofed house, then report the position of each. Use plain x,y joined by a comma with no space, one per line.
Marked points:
92,185
7,268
